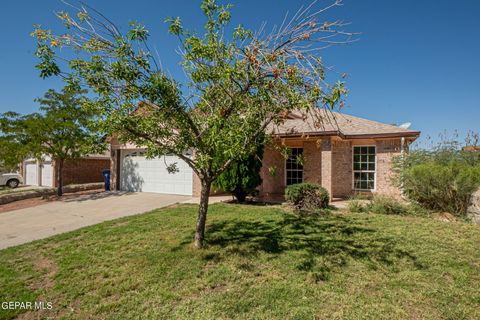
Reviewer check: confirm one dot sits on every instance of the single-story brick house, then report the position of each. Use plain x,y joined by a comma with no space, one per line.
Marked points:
85,170
343,153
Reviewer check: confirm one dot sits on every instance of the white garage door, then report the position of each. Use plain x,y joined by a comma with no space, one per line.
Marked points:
31,174
140,174
47,174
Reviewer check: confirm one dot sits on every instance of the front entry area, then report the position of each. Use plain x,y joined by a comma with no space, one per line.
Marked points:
139,174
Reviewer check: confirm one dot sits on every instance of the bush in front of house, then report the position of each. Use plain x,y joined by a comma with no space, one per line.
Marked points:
441,182
387,205
382,204
357,204
307,196
442,178
379,204
442,187
242,177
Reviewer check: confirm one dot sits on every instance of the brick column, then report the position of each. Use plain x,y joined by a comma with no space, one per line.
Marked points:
342,168
386,151
313,162
114,169
39,172
326,165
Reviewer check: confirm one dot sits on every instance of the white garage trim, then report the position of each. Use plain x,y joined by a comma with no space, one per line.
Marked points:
139,174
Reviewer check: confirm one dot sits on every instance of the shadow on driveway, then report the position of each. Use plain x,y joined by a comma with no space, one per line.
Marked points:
96,196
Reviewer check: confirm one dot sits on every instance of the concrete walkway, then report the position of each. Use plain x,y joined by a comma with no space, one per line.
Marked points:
25,225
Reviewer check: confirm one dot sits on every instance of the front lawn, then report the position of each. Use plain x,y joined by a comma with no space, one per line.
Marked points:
260,263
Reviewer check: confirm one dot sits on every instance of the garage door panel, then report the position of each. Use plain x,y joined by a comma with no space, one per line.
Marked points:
47,174
31,174
151,175
131,179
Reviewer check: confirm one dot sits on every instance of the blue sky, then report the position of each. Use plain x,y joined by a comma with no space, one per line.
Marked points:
416,61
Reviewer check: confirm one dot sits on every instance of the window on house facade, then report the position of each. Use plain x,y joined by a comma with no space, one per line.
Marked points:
364,167
294,166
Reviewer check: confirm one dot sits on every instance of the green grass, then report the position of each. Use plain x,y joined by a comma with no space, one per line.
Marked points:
260,263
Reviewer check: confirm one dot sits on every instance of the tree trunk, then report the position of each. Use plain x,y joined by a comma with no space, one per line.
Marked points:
59,166
240,194
202,214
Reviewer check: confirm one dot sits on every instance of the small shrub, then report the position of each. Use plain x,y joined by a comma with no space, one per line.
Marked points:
414,209
356,204
387,205
361,196
307,196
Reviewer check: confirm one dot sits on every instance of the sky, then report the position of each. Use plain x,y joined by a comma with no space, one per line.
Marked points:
416,61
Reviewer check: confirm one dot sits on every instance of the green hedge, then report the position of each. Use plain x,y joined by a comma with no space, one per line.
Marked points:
442,186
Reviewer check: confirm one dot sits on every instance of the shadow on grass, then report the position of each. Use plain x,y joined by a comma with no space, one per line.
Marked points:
318,245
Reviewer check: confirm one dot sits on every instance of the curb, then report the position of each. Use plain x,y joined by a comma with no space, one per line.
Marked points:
7,198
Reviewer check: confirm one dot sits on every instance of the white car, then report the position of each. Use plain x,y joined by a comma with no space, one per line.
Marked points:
11,180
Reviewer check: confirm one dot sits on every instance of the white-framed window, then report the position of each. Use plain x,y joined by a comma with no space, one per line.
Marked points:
294,166
364,167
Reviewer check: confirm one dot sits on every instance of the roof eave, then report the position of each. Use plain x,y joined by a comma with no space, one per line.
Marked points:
309,134
408,134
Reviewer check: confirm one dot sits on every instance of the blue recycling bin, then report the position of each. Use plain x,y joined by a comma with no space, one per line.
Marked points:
106,179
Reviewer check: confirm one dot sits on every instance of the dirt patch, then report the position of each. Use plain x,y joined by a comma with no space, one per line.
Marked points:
444,216
49,268
28,203
46,281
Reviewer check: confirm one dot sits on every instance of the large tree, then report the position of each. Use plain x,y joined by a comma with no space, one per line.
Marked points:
239,82
11,153
62,130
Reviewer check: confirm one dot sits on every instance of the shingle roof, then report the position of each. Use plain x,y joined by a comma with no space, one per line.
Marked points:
323,122
471,148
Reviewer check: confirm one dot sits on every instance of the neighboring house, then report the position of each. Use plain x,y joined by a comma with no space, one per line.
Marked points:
471,148
345,154
85,170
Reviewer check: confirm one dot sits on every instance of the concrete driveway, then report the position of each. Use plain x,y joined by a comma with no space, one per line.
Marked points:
25,225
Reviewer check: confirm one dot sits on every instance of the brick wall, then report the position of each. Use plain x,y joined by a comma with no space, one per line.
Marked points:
313,162
196,186
84,171
326,165
273,168
386,151
341,169
114,170
329,162
273,182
